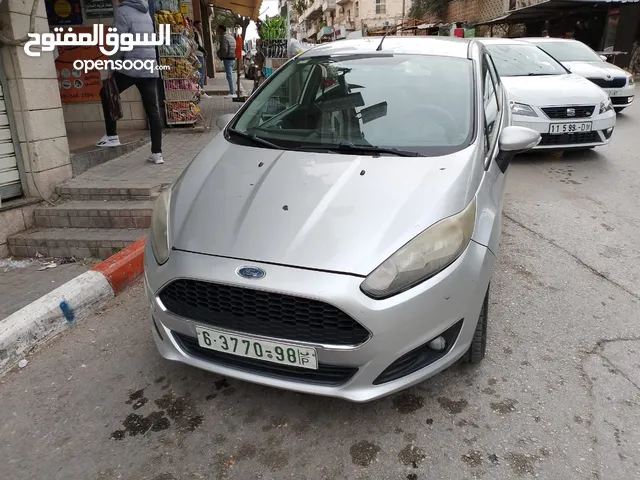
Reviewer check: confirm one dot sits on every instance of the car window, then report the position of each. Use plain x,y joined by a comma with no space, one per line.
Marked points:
411,102
491,108
570,51
512,60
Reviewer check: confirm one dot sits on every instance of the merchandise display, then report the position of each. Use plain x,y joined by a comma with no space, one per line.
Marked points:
181,79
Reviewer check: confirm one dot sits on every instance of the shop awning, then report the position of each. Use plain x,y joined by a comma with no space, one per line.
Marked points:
546,9
244,8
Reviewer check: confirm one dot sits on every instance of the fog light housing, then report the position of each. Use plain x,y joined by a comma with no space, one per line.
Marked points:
608,132
438,344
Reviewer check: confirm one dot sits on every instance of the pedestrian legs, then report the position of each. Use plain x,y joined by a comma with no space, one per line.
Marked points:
228,69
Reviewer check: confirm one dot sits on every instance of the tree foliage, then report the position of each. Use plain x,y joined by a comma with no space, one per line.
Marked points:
420,8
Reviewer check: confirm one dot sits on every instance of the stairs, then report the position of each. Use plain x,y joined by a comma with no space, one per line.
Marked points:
88,223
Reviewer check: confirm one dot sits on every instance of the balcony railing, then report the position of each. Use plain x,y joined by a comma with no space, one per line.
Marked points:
313,12
329,6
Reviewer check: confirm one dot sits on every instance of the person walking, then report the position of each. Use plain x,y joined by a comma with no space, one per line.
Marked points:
201,53
227,53
132,16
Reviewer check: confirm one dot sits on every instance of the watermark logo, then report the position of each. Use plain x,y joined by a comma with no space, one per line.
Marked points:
109,44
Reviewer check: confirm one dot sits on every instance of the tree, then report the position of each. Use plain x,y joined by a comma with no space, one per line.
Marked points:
421,8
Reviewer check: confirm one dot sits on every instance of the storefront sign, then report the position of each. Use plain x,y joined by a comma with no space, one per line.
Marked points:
64,12
98,8
77,86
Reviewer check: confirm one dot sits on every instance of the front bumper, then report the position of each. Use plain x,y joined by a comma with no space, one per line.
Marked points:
602,126
397,325
621,97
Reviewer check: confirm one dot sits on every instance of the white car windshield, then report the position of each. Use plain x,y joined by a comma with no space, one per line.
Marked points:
417,103
513,60
570,51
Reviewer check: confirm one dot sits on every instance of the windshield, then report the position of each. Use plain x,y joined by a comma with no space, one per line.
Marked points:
570,52
420,104
522,60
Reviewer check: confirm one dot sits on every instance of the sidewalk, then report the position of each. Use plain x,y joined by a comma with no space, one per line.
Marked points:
219,86
21,286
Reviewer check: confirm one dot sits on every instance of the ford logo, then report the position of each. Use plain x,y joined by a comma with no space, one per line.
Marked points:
251,273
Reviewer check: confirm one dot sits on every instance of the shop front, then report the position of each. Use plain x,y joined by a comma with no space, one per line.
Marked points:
609,28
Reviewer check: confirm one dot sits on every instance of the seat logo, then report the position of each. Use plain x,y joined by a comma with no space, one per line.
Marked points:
571,112
251,273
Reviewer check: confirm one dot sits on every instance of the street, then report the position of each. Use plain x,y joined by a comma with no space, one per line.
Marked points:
557,397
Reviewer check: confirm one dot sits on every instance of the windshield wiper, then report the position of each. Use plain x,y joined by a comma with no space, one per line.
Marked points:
254,138
539,74
347,147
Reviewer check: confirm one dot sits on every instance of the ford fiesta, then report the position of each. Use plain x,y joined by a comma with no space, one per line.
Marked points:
569,111
338,236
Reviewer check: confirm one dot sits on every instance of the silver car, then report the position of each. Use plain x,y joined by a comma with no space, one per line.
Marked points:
338,236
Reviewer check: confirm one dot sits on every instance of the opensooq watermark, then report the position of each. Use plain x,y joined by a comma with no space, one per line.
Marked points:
109,44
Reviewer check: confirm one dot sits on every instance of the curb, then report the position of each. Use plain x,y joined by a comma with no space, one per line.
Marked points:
45,317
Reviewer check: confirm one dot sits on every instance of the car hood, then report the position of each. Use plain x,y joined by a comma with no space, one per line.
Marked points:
330,212
553,90
595,69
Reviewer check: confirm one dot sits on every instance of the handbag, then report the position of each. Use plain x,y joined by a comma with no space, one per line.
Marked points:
111,97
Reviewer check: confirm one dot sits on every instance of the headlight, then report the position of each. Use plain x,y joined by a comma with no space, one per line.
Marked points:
424,256
522,109
159,231
631,80
606,105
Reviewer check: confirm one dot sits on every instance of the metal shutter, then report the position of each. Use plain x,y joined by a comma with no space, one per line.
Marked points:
10,185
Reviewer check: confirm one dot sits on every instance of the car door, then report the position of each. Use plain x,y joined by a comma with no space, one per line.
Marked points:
491,191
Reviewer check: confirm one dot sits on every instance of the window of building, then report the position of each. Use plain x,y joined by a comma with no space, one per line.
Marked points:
381,7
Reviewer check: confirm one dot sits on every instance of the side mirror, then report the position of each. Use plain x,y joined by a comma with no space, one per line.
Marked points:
223,120
514,140
603,58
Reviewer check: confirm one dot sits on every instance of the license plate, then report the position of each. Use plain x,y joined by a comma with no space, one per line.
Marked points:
243,346
612,93
560,128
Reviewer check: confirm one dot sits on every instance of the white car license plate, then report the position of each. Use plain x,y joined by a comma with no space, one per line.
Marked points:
612,93
560,128
282,353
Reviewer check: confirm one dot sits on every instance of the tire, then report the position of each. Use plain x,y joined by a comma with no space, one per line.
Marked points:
478,346
619,109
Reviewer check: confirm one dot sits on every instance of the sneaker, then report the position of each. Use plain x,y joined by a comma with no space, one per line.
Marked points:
232,95
156,158
204,95
108,141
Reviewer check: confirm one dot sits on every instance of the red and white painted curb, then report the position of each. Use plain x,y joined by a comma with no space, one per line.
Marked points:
63,307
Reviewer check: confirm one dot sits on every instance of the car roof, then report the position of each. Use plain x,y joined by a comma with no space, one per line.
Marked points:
502,41
425,45
548,39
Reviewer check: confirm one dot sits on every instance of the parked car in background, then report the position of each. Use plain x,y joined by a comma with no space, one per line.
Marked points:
569,111
581,60
343,245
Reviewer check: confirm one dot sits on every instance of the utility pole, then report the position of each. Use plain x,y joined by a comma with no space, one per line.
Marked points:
403,6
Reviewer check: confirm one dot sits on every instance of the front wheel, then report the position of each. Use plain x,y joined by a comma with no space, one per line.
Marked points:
478,346
619,109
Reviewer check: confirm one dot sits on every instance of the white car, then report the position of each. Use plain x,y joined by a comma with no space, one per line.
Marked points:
567,110
583,61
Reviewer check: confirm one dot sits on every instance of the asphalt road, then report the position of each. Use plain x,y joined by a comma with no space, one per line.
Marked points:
556,398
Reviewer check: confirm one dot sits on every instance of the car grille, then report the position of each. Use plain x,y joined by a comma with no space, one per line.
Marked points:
325,374
609,82
569,138
561,112
418,358
262,313
621,100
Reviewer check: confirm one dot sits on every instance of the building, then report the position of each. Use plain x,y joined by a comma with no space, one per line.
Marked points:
323,20
608,27
48,111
